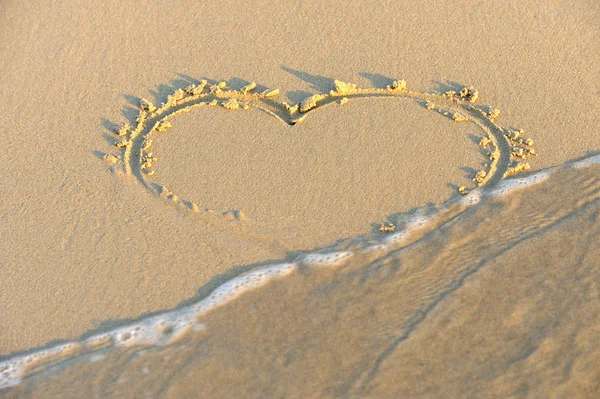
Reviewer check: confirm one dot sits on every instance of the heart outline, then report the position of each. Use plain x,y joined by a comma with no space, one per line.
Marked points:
17,367
508,148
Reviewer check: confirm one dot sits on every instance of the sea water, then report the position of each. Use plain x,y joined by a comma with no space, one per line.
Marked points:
354,319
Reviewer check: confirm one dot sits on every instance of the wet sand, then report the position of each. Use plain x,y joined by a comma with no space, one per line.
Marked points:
497,299
88,245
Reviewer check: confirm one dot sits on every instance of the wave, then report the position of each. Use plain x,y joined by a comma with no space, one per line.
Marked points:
561,190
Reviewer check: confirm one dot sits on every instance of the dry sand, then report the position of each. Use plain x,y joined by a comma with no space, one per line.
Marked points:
85,246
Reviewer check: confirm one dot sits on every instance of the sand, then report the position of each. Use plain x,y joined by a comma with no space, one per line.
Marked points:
469,303
87,245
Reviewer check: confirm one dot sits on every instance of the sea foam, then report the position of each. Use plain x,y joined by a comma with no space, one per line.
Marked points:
168,327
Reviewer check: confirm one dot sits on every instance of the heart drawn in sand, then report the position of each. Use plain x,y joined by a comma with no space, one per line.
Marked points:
507,149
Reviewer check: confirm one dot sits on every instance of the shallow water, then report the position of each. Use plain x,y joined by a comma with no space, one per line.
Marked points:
490,295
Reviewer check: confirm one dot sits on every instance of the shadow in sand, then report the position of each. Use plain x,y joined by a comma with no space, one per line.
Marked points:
321,84
376,79
317,82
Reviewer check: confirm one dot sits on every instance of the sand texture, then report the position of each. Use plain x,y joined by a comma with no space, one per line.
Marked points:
467,303
153,152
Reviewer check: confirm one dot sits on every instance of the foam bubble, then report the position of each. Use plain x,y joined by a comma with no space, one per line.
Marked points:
14,369
242,284
399,237
326,259
508,186
374,248
472,198
593,160
180,324
162,329
418,221
62,349
134,335
158,330
170,326
11,372
96,340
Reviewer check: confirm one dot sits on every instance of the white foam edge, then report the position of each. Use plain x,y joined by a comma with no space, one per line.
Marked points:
329,259
471,199
402,236
398,237
170,326
419,220
161,329
506,187
509,185
13,370
237,286
592,160
374,248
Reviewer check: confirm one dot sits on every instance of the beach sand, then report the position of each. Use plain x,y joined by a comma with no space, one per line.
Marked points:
490,305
